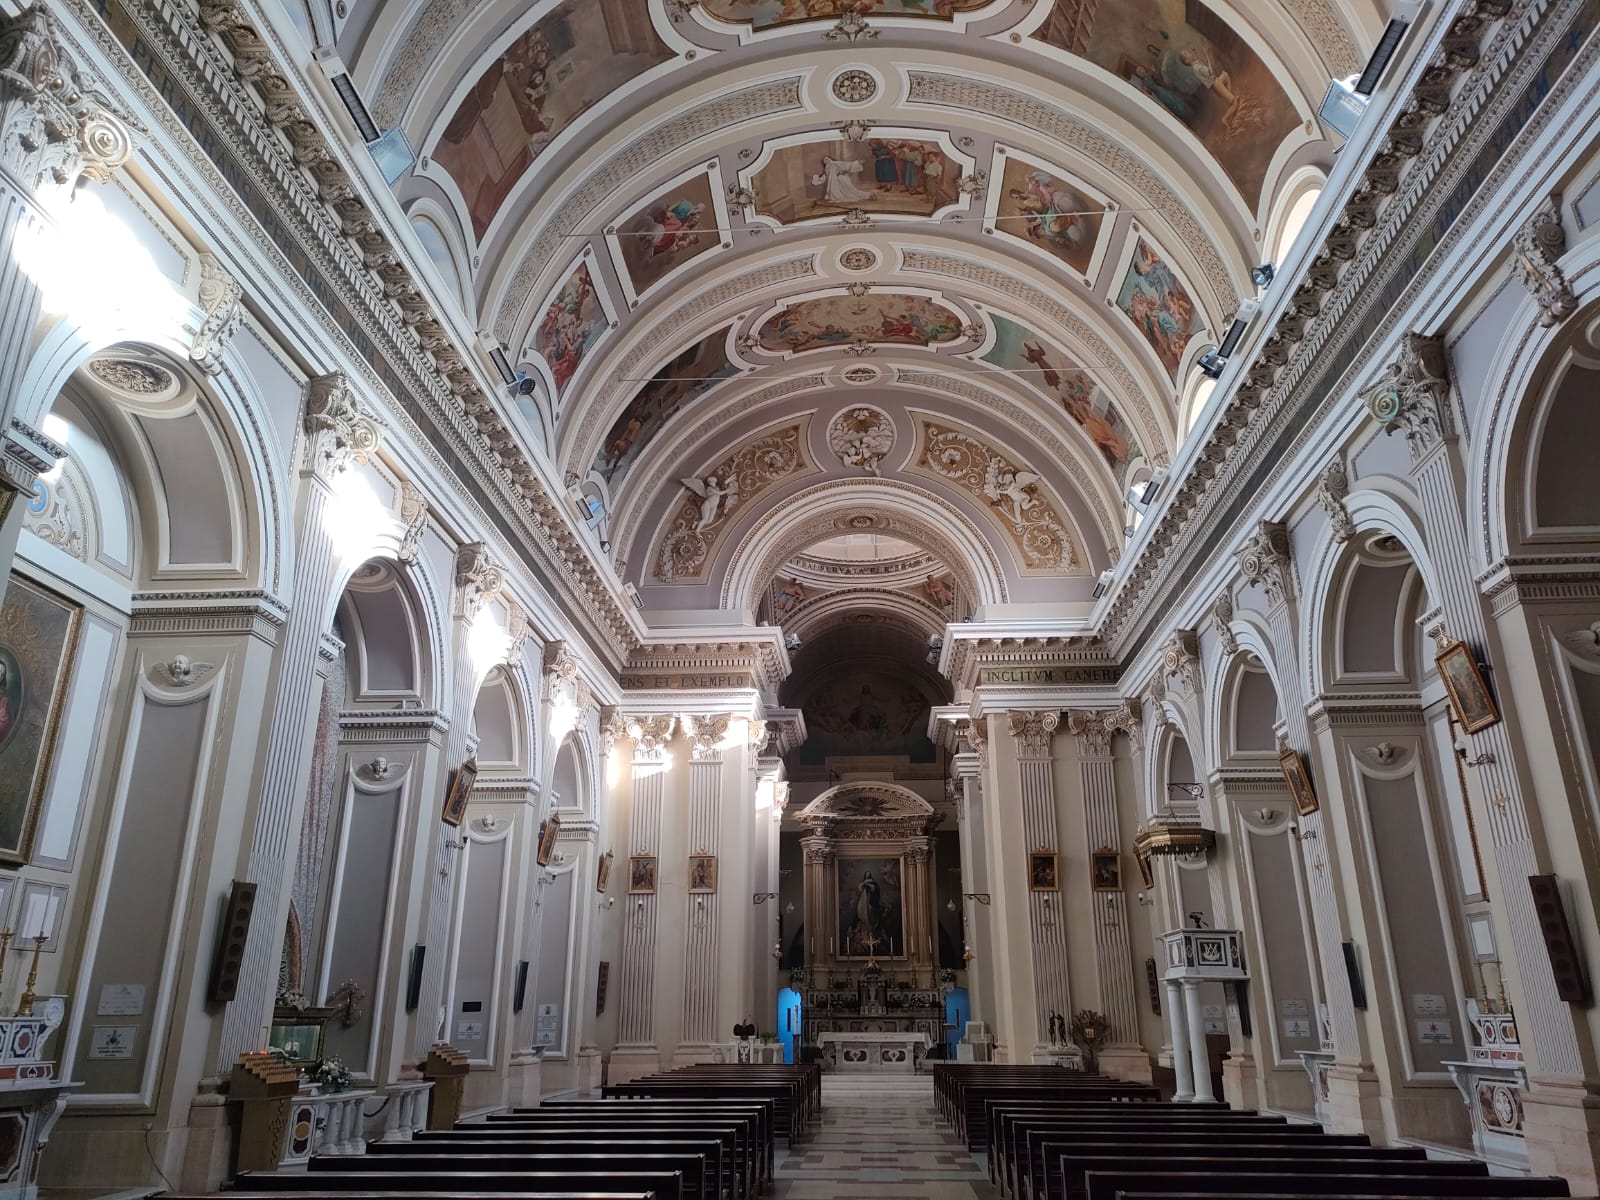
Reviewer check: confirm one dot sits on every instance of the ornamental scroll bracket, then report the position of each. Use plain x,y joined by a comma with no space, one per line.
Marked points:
1412,394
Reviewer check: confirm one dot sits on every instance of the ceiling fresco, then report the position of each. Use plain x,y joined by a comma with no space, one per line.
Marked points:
827,322
1186,57
712,230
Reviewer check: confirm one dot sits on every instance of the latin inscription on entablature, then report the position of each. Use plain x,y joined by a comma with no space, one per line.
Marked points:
687,683
1049,675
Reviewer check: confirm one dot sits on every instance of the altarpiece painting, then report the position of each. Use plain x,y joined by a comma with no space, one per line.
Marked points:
871,917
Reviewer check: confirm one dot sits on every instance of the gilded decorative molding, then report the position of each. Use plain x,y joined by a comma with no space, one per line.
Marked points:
1264,561
1412,394
340,428
220,296
1538,247
1032,731
56,127
1333,486
479,579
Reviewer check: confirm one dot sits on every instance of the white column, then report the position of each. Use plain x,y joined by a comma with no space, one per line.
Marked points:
974,881
636,981
1197,1042
340,430
1182,1067
702,945
1033,734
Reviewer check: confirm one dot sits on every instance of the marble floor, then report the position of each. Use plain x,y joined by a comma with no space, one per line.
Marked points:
881,1139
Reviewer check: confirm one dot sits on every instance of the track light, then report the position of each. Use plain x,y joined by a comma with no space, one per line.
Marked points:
1103,584
1263,276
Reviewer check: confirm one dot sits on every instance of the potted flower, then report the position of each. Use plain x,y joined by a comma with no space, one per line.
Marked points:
332,1075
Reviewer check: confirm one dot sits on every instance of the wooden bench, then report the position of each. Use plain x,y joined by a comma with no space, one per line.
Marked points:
578,1175
1009,1122
760,1115
701,1159
1067,1165
1429,1179
787,1116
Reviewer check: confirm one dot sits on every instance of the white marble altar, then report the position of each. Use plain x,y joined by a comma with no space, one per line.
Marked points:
887,1051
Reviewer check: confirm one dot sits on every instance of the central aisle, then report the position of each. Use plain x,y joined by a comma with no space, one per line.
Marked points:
881,1139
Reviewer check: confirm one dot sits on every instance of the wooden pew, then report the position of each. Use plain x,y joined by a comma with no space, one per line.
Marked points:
705,1173
788,1116
972,1127
759,1116
1068,1163
1009,1122
588,1178
1455,1180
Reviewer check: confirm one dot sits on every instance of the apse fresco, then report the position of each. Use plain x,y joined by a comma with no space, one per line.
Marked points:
667,232
1186,57
573,322
865,710
1049,212
765,14
690,375
1042,366
842,320
578,55
828,178
1158,305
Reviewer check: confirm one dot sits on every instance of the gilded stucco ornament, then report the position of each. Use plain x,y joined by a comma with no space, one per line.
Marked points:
1012,491
1333,486
1265,562
1538,246
704,513
134,377
413,520
1222,622
854,86
861,437
1181,657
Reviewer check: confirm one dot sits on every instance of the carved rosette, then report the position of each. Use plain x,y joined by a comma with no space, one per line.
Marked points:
1333,485
1181,657
478,579
1222,622
413,519
706,734
1538,246
1032,732
55,128
650,737
862,437
1014,493
1413,394
1265,562
220,295
340,428
686,549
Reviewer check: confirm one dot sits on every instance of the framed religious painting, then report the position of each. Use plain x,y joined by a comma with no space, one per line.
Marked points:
1105,869
1044,871
38,648
1298,780
455,800
642,875
602,874
1468,690
1147,872
548,832
702,874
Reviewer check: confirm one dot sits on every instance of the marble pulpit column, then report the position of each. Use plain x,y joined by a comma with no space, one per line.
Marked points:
1413,396
702,945
1200,1061
60,130
1178,1034
637,1052
1122,1055
339,430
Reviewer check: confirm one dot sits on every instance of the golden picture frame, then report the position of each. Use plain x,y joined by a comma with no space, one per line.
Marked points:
1044,871
1105,871
1147,871
1470,697
642,875
548,832
1298,781
462,781
702,874
602,873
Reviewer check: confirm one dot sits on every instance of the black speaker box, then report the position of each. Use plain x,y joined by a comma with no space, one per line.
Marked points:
230,943
1565,964
419,952
1352,968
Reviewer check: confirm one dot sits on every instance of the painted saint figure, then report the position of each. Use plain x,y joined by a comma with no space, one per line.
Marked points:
836,183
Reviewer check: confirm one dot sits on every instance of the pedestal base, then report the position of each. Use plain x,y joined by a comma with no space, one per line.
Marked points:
1355,1104
632,1062
1127,1062
525,1080
1241,1086
589,1070
1561,1118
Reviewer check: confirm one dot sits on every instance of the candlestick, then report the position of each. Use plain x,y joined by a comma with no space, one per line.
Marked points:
25,1005
5,940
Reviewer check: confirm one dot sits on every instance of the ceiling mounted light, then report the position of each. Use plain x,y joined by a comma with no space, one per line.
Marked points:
1103,584
1211,364
1263,276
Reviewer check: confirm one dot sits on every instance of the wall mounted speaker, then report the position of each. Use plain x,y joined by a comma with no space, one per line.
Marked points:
522,986
1352,968
230,943
419,953
1565,964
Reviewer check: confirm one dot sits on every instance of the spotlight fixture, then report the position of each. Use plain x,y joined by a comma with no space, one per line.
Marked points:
1103,584
1263,276
1211,364
524,385
1341,109
1151,489
502,364
1405,14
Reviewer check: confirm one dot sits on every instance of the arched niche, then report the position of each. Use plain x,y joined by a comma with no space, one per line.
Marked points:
1252,711
568,783
381,622
1370,637
497,719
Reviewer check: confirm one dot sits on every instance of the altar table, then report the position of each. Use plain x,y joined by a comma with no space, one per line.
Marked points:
888,1051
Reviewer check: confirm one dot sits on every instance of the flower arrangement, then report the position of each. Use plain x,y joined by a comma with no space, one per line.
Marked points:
332,1075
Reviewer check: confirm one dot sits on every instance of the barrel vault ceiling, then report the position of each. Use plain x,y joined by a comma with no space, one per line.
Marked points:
845,306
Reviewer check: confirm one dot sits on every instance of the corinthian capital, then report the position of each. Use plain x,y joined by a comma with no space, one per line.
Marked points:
478,579
55,126
1095,728
1413,394
706,734
650,736
1264,561
1032,731
340,429
220,294
1538,245
1181,657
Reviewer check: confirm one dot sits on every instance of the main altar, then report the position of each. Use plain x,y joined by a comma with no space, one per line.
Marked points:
869,993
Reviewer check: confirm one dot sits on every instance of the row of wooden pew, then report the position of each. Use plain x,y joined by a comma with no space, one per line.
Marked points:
698,1133
1054,1134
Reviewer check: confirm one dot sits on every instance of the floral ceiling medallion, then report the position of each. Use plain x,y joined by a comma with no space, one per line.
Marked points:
134,377
859,258
854,86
